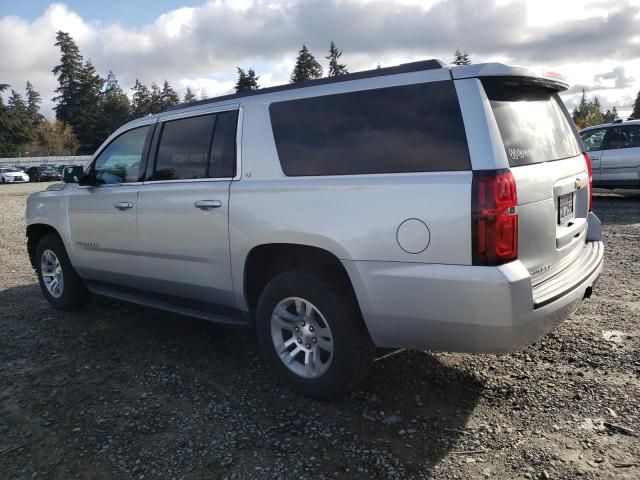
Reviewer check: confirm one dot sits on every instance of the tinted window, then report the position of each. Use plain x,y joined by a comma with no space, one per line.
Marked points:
119,162
532,123
223,150
183,150
413,128
593,139
627,136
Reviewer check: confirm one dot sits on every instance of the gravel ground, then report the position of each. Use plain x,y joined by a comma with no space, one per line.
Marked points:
121,391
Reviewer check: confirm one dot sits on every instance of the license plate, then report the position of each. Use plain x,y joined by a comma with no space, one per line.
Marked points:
565,208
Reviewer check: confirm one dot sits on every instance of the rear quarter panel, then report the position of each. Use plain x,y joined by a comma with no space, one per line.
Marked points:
355,217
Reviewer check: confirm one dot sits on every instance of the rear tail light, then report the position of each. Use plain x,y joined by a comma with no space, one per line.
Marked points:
494,217
587,159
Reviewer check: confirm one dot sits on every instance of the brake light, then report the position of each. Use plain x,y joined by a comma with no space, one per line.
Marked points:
494,217
587,159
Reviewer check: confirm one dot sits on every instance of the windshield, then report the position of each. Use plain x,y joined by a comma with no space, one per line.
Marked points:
532,122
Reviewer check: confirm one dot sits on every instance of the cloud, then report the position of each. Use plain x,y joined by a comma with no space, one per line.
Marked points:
619,77
201,46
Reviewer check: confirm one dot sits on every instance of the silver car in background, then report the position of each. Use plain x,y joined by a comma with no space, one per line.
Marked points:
615,153
416,206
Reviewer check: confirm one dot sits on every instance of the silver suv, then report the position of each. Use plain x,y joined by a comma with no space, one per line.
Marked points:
416,206
615,154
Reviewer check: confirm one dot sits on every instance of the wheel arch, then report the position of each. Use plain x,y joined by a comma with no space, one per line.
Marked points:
265,261
35,232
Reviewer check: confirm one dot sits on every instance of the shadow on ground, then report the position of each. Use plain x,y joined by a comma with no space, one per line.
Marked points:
91,393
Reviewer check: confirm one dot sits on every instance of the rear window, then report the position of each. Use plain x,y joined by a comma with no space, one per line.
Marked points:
532,122
412,128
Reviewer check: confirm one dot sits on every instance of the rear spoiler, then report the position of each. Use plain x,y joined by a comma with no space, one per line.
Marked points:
545,78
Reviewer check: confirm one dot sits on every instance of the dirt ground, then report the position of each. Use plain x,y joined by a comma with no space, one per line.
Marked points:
121,391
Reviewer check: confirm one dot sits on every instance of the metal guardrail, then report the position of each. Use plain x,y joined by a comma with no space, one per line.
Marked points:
54,160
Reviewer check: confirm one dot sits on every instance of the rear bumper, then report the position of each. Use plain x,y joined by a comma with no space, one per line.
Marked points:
467,308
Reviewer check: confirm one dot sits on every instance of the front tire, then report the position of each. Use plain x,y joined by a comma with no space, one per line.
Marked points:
312,333
59,282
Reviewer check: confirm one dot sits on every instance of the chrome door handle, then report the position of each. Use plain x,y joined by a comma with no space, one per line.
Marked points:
123,205
207,204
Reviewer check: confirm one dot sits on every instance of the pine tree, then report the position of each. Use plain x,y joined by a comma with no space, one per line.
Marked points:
19,122
33,105
86,119
335,68
611,115
141,102
168,96
115,107
635,114
67,73
155,99
246,81
306,67
587,112
460,58
189,96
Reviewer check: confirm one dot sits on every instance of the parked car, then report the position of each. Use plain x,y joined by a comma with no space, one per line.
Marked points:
43,173
615,154
12,175
417,206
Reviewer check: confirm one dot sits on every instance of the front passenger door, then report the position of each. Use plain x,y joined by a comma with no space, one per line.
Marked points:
593,143
620,162
103,216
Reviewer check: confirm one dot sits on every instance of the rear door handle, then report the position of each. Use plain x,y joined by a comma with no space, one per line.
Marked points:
123,205
207,204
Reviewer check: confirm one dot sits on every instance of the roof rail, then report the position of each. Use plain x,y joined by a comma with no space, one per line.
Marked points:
376,72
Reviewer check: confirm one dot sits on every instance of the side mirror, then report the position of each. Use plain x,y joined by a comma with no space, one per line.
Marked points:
73,174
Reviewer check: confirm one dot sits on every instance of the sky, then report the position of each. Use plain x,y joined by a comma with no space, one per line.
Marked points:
595,44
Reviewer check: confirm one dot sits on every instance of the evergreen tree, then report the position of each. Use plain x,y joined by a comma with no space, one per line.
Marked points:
189,96
610,116
67,73
635,114
246,81
155,99
460,58
5,129
335,68
33,105
306,67
18,122
168,96
141,102
115,108
86,120
587,112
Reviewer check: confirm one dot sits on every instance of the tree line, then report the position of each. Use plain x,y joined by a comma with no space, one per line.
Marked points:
88,107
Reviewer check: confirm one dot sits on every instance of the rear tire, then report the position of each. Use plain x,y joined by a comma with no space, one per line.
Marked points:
59,282
317,342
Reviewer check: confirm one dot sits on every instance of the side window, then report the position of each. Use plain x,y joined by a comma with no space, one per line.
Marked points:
627,136
411,128
593,139
183,150
120,161
222,163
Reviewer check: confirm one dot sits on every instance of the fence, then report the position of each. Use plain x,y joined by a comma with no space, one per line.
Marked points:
54,160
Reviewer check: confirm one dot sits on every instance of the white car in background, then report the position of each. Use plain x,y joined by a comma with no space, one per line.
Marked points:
13,175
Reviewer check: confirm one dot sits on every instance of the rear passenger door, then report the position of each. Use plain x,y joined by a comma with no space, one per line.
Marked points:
183,208
620,161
